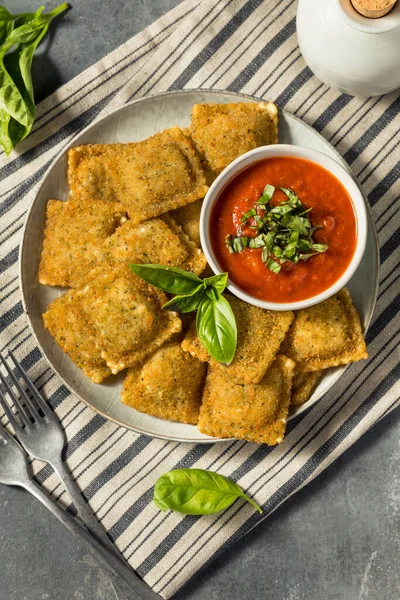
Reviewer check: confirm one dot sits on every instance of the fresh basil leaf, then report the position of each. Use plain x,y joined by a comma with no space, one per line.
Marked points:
250,213
197,492
216,328
218,282
185,304
211,293
265,254
273,266
169,279
289,193
257,242
319,247
17,105
268,191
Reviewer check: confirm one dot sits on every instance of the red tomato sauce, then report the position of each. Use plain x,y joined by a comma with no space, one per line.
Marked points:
332,208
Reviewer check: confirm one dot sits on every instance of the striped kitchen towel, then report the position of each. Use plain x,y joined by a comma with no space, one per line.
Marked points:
239,45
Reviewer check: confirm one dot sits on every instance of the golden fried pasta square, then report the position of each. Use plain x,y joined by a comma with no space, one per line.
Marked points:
169,385
128,317
326,335
72,240
188,217
149,177
72,328
260,334
222,132
253,412
156,241
303,386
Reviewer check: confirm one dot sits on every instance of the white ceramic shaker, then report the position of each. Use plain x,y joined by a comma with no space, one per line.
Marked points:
349,52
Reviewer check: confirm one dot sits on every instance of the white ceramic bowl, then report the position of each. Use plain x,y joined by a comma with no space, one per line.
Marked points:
330,165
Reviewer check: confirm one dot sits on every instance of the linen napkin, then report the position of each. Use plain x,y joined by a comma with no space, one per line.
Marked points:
240,45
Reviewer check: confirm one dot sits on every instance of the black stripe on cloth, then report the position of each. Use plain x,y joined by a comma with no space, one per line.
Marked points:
372,132
9,260
292,89
116,466
215,44
10,316
84,434
14,337
368,107
386,316
384,185
8,294
390,246
138,506
134,482
9,283
258,61
297,480
267,80
329,113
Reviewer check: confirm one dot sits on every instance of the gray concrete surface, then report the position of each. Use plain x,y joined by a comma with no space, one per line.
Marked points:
337,539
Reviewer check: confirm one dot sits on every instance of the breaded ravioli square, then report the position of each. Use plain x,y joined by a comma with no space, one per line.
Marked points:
156,241
73,330
254,412
303,386
149,177
222,132
326,335
72,240
128,317
259,335
169,385
188,217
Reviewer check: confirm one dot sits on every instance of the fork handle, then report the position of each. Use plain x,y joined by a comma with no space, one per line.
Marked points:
84,511
120,574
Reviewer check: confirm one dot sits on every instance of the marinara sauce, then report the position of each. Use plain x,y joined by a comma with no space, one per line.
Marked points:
332,209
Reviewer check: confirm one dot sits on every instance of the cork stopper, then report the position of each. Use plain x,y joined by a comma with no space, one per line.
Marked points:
373,9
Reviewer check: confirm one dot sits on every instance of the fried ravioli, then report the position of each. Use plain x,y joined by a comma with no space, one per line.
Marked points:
260,334
222,132
72,240
72,328
326,335
149,177
128,317
256,413
169,385
156,241
188,217
303,386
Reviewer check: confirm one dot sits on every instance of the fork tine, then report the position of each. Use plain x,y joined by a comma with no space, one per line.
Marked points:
32,410
10,415
21,410
41,402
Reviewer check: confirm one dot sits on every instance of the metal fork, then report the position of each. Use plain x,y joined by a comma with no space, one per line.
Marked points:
43,437
14,470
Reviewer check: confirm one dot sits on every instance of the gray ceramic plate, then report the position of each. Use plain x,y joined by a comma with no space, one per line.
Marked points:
132,122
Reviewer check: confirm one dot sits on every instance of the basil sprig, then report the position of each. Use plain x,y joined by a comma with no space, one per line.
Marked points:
284,232
215,321
19,37
197,492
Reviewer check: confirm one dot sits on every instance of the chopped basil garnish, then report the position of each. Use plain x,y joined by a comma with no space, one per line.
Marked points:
284,232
